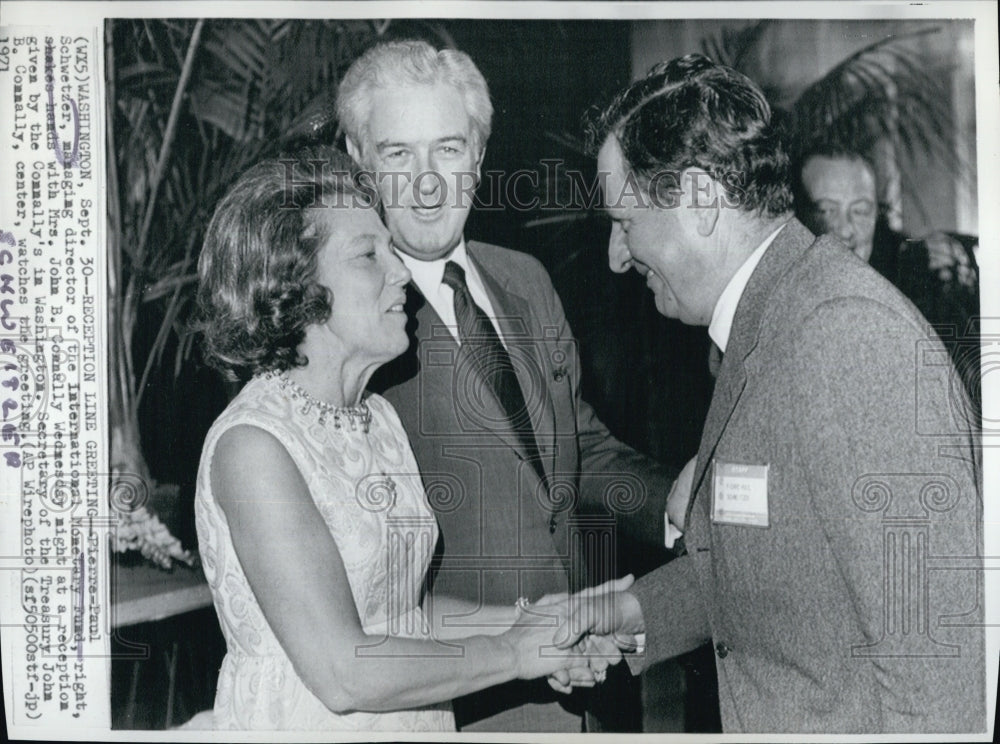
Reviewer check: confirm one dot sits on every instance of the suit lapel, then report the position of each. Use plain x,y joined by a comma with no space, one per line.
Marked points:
787,247
513,312
728,388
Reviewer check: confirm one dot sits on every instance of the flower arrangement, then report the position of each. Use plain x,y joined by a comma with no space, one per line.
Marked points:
142,530
138,528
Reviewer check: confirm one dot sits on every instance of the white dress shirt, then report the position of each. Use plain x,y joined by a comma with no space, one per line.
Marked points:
429,275
725,307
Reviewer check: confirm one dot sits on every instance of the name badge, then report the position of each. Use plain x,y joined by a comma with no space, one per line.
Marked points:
739,494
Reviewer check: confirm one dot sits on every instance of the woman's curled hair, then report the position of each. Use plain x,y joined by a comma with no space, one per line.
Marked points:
257,273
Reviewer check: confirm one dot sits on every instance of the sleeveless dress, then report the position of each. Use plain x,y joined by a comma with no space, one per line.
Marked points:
368,490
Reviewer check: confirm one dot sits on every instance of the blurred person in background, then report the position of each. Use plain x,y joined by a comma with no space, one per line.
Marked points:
836,193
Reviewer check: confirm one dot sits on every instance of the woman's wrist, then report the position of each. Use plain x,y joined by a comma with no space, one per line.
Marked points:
509,651
505,616
521,607
514,636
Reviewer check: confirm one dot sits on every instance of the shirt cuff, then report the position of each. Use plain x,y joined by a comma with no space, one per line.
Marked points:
670,532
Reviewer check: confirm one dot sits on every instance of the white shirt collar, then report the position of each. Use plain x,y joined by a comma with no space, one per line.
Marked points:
725,306
428,275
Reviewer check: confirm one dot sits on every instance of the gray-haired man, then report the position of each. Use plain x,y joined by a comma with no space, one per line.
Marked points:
489,392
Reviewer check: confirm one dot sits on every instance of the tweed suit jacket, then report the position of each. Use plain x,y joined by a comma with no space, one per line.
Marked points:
858,609
503,533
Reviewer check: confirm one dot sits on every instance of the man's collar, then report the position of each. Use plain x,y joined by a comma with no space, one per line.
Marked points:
428,275
725,307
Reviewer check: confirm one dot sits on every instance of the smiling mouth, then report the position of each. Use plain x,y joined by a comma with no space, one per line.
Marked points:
397,308
427,212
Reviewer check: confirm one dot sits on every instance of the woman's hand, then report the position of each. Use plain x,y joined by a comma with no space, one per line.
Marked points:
599,651
530,639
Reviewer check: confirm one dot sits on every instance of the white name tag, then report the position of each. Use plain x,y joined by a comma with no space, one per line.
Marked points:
739,494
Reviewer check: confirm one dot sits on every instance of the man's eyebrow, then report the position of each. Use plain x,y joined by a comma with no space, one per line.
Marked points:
386,144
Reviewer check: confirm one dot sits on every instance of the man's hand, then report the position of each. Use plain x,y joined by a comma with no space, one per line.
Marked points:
600,627
599,651
680,494
612,585
617,615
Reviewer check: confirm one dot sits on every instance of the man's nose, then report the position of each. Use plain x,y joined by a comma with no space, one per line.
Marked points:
619,257
843,228
423,162
427,180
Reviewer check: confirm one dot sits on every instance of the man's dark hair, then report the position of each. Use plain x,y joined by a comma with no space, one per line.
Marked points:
693,113
830,151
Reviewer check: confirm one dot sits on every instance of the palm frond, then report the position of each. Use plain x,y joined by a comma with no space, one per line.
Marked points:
882,90
571,142
187,119
170,283
732,48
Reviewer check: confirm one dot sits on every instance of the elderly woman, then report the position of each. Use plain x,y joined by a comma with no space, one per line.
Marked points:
312,521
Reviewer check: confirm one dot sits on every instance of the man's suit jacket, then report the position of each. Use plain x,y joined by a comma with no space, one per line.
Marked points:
504,534
859,607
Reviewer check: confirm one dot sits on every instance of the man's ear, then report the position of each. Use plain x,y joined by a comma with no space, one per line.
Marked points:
352,148
479,164
708,216
702,199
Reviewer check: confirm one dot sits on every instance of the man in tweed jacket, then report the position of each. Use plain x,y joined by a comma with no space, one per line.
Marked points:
834,535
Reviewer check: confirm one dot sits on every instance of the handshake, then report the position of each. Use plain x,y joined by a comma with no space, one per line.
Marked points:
573,639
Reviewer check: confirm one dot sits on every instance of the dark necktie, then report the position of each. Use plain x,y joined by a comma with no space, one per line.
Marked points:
481,341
